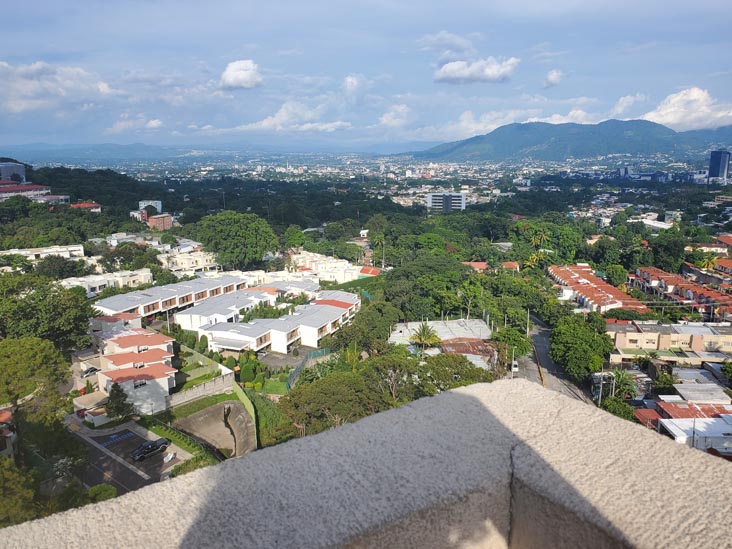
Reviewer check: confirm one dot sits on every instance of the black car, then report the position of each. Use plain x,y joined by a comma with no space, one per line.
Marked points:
150,448
89,372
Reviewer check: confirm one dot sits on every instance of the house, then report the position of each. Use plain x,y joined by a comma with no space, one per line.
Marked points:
477,266
135,359
146,387
510,266
139,341
161,222
92,207
225,308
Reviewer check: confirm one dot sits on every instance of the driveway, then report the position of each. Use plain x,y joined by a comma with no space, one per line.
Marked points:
123,442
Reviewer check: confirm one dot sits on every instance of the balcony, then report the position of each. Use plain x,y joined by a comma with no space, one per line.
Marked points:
508,464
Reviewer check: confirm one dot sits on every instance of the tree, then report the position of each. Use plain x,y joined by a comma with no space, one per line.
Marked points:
447,371
618,407
27,364
616,274
514,339
294,237
379,240
117,405
727,369
202,345
395,372
425,336
17,500
624,386
664,384
101,492
708,261
239,240
33,307
339,398
57,267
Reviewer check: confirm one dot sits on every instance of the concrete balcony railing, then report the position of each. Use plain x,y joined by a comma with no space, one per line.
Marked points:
507,464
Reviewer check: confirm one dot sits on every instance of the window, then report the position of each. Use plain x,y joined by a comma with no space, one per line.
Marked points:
140,383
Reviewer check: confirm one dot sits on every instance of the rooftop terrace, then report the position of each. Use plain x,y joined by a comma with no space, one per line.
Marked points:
508,464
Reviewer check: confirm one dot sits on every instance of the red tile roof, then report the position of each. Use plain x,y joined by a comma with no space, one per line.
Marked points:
725,239
647,417
148,357
334,303
141,339
510,265
118,316
476,265
582,280
21,188
155,371
370,271
6,416
86,205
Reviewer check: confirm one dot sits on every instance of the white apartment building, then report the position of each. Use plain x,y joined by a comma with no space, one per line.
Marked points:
74,251
95,284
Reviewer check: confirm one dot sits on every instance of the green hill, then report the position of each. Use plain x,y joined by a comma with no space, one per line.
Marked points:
542,141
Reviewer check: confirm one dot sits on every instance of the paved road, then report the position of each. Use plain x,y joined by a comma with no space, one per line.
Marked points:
103,468
555,377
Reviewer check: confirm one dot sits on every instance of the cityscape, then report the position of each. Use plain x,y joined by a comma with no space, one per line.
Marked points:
261,289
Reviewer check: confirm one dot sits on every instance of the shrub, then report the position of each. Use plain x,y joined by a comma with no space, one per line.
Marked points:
257,386
259,378
230,362
295,352
283,377
248,385
247,372
101,492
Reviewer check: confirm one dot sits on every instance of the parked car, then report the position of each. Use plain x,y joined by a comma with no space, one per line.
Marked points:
90,372
514,366
149,448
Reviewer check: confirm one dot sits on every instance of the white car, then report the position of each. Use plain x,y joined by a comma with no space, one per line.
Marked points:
514,366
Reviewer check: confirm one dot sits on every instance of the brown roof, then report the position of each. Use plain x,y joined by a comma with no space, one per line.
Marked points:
690,410
150,356
6,416
118,316
141,339
154,371
334,303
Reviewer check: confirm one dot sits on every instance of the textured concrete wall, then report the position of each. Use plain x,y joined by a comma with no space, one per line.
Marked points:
499,465
216,386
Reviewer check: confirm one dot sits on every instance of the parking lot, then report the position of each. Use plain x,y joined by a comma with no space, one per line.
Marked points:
110,461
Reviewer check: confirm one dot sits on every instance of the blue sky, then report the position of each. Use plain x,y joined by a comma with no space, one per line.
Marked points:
354,73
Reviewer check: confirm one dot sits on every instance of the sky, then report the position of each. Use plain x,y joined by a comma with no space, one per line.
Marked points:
354,74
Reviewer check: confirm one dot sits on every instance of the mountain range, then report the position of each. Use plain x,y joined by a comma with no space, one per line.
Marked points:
558,142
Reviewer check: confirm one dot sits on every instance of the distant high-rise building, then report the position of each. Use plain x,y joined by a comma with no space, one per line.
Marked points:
719,165
446,202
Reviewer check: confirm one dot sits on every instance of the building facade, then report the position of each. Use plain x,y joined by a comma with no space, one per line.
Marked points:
446,202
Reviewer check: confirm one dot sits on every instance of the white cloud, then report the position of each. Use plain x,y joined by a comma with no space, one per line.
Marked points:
292,116
127,123
553,78
578,116
41,85
468,125
544,53
396,116
625,102
241,74
489,69
451,47
691,109
353,84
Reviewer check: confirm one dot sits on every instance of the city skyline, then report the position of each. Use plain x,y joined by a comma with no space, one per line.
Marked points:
164,73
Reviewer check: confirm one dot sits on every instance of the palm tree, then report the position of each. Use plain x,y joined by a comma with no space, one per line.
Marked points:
538,239
624,386
379,240
425,336
708,261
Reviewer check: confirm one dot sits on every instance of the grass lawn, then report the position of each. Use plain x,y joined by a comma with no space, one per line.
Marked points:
372,285
274,387
182,441
179,412
197,381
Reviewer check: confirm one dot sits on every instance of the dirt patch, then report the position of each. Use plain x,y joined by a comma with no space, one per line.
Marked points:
226,426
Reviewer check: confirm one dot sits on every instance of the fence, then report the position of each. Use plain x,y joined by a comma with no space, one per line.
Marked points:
216,386
307,361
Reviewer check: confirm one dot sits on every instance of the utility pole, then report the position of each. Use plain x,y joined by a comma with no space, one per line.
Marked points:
527,322
513,357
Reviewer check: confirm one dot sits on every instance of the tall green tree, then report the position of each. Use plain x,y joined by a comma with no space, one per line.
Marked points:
27,364
16,494
624,386
238,239
117,404
34,307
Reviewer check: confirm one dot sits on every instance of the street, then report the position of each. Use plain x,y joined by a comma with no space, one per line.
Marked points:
554,376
